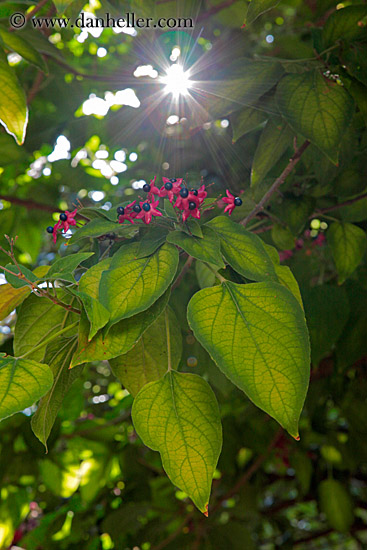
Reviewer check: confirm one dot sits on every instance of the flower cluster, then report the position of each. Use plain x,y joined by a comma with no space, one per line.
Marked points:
188,201
66,220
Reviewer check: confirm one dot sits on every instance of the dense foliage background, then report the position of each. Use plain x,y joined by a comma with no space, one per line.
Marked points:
100,126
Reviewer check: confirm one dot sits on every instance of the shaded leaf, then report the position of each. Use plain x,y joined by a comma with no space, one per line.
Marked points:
246,120
206,249
336,504
348,245
204,274
343,24
98,227
16,43
257,8
178,416
257,335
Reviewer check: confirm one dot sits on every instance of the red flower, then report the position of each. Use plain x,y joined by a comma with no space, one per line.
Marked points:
148,210
202,194
170,193
231,202
195,213
64,224
128,214
154,190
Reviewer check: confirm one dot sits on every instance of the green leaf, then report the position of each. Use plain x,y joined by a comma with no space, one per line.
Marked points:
147,360
10,298
133,285
17,282
257,335
61,5
14,42
39,318
99,226
153,239
92,212
257,8
22,382
120,338
284,274
319,109
169,210
336,504
206,248
296,211
348,245
67,265
178,416
243,250
204,274
58,357
246,120
97,314
343,24
273,143
282,237
13,105
327,311
240,84
192,227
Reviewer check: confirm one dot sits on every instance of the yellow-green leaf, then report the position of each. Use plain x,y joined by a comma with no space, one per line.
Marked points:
319,109
133,285
257,335
178,416
16,43
348,245
147,360
206,248
22,382
10,298
13,105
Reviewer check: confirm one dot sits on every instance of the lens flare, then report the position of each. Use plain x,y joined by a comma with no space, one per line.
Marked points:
177,81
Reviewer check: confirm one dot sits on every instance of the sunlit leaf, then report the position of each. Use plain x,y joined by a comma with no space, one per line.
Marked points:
13,106
14,42
206,248
178,416
257,335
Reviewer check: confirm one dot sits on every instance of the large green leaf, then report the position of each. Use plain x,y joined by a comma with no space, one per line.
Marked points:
336,504
273,143
348,245
319,109
10,298
284,274
97,314
242,83
133,285
343,24
67,265
14,42
178,416
13,105
246,120
257,8
147,360
243,250
206,248
100,226
257,335
327,312
120,338
58,357
22,382
37,320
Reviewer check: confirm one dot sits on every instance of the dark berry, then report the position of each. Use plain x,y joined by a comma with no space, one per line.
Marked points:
168,186
173,180
146,187
50,229
184,192
63,217
120,210
194,192
136,208
192,205
237,201
146,206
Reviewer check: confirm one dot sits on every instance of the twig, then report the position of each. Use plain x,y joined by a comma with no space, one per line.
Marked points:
277,183
36,9
336,206
35,87
183,272
30,204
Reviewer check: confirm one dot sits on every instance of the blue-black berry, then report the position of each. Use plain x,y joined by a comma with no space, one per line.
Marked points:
194,192
146,187
50,229
136,208
168,186
146,206
63,217
173,180
192,205
120,210
184,192
237,201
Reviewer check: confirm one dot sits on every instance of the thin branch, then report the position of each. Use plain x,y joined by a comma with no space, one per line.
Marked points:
336,206
183,272
277,183
30,204
35,87
36,9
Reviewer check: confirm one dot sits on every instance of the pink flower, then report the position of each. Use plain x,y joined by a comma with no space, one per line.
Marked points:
231,202
64,223
194,212
170,188
128,214
154,190
202,194
148,210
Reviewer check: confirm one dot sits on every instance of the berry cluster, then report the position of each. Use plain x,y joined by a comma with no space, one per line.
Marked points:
188,201
65,221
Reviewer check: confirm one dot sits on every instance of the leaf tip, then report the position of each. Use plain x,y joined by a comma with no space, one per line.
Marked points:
206,512
297,437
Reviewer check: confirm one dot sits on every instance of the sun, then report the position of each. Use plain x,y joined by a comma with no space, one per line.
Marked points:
177,81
